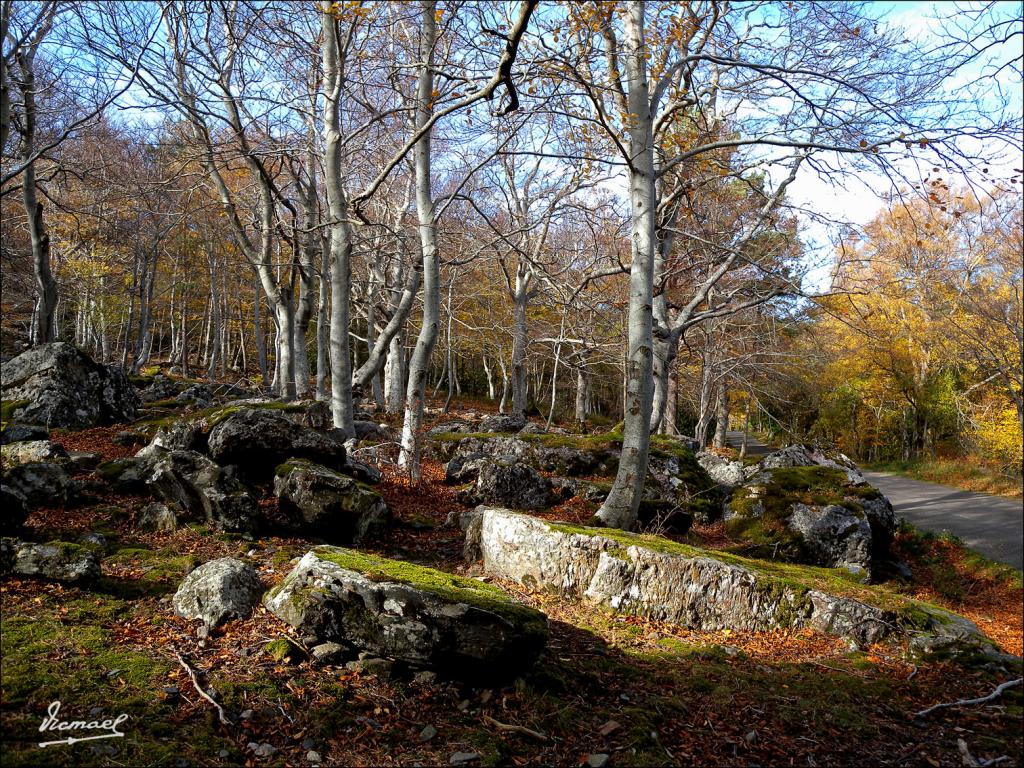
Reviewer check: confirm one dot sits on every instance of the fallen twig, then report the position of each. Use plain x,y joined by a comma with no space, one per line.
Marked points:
970,760
515,729
195,682
968,702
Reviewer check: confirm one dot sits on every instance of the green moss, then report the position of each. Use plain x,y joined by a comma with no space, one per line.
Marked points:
8,407
283,649
761,512
447,586
160,566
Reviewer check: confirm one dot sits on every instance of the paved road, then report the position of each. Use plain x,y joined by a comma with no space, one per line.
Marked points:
754,446
991,525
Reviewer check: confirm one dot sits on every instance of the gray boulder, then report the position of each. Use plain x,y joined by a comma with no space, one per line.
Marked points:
161,388
203,488
465,468
418,615
723,471
14,454
41,484
13,510
157,516
197,394
446,427
181,435
835,536
329,504
127,475
660,579
15,433
59,560
511,484
502,422
59,385
259,439
217,591
368,430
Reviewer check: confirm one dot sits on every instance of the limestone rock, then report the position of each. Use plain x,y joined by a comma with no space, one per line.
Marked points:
16,433
203,488
33,450
501,422
660,579
217,591
723,471
60,386
329,504
418,615
157,517
259,439
511,484
59,561
42,484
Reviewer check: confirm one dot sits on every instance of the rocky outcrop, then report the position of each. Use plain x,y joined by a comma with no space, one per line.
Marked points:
181,435
660,579
816,514
16,433
161,388
218,591
510,484
328,504
502,422
259,439
157,517
40,483
726,473
203,489
58,561
33,450
199,395
417,615
60,386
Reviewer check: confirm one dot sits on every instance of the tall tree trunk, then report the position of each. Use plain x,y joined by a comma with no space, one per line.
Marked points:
414,399
620,507
721,414
261,341
323,326
340,229
520,340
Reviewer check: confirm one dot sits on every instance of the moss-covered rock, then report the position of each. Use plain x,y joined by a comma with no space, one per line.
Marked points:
57,561
328,504
419,615
658,578
810,514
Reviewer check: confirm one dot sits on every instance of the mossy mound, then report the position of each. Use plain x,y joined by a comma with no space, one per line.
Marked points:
760,511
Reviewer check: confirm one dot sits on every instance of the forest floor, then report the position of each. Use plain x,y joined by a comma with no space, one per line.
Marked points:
642,692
